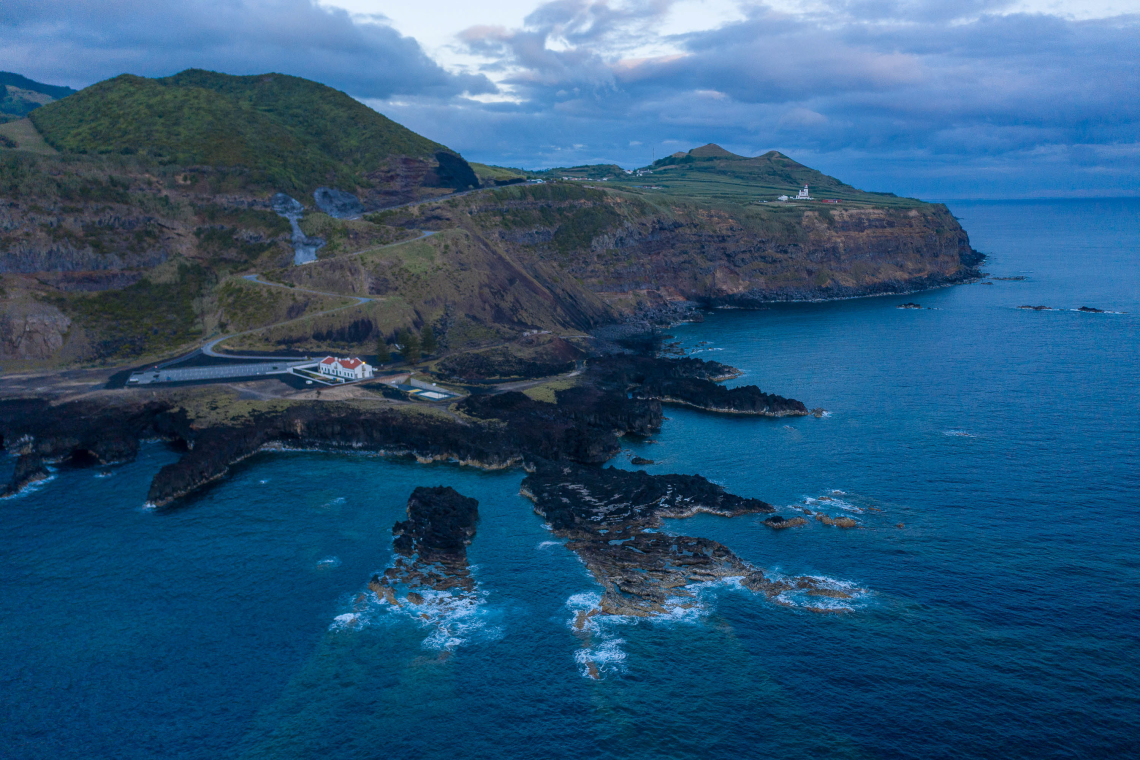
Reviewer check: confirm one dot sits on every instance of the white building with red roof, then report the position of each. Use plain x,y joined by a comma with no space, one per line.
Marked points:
347,369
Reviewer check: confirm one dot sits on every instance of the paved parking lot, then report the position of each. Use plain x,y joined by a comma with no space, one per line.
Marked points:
219,372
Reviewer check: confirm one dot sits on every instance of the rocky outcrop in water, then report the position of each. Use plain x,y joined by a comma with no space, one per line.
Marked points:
612,518
81,433
690,382
582,426
431,546
30,468
779,523
85,432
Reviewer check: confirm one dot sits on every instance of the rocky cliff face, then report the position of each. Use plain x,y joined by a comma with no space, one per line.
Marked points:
635,252
747,255
31,331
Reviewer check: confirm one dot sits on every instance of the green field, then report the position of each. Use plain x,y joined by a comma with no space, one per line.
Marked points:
712,173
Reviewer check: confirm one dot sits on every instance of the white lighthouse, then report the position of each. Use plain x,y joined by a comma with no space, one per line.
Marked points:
803,196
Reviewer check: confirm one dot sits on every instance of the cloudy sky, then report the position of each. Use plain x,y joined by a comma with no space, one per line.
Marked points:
935,98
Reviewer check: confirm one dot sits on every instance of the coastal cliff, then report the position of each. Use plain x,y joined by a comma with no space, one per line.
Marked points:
134,240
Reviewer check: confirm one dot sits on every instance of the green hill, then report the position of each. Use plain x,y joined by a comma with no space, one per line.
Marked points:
585,171
19,95
712,173
289,132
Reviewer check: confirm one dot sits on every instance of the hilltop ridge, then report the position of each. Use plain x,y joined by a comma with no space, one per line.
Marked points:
19,95
286,132
713,173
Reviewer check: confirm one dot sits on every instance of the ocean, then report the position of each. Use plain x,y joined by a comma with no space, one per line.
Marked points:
990,455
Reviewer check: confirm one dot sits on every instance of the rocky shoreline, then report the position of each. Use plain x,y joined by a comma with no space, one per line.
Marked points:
619,395
611,519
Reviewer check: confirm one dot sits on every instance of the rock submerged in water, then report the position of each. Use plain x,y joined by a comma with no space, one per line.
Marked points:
779,523
1091,310
909,305
640,461
1036,308
837,522
611,517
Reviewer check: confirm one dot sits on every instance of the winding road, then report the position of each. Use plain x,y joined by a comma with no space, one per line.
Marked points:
208,347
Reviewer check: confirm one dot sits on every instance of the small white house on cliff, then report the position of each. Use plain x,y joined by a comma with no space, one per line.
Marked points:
347,369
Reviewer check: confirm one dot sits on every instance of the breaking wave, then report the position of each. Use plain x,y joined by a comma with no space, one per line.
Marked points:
832,500
451,620
848,596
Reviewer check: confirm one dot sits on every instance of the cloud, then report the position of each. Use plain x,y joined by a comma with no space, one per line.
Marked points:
946,83
78,43
927,89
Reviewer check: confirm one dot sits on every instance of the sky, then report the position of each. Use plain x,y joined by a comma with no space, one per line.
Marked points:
937,99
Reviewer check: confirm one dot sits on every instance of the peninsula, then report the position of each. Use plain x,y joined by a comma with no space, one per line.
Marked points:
513,318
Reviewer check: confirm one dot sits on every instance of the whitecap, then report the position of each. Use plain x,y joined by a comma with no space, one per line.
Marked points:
548,544
607,657
455,620
329,562
584,601
31,488
958,433
804,599
347,621
452,619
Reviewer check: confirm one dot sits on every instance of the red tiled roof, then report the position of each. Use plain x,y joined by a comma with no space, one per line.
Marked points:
349,364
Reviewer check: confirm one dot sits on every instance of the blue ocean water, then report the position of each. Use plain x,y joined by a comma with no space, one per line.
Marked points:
991,456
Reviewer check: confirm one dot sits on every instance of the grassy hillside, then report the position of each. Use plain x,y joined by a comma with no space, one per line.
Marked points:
289,133
489,175
19,95
586,171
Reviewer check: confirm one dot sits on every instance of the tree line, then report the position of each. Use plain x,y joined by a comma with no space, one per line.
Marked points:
412,347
